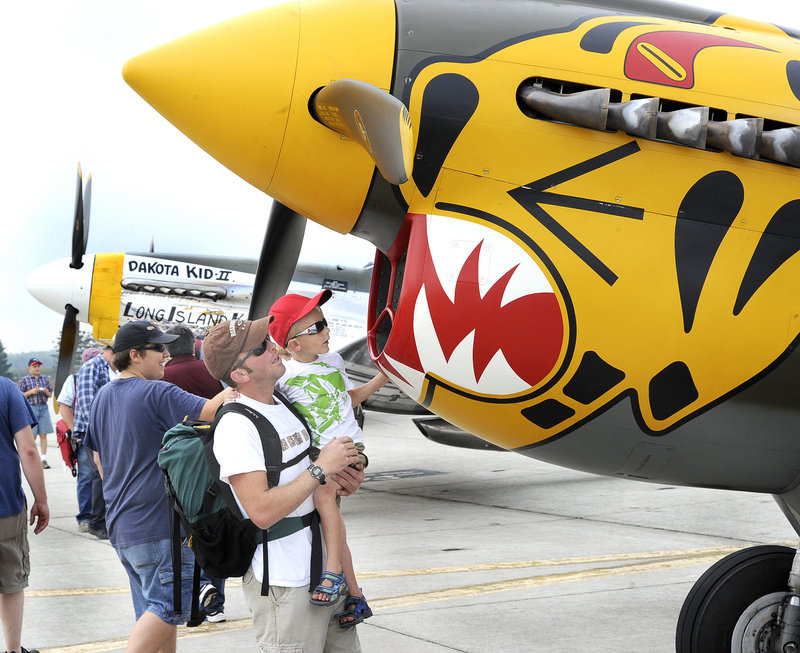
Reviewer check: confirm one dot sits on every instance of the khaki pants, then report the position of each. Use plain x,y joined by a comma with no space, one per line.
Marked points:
285,621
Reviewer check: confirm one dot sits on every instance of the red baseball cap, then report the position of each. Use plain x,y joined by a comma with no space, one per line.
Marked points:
288,310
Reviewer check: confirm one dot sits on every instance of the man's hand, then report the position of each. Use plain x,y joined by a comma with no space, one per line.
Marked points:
40,513
336,455
349,480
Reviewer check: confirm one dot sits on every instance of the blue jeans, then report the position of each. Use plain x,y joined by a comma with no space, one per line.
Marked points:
149,569
87,471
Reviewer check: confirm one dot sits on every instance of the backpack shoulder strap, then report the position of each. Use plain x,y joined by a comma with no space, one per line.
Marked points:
292,410
316,529
273,455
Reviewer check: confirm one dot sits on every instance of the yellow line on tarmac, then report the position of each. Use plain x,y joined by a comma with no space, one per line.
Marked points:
536,581
491,566
563,562
90,647
75,591
91,591
183,633
646,561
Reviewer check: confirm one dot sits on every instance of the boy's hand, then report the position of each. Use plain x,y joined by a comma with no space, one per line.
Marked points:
337,455
229,395
360,393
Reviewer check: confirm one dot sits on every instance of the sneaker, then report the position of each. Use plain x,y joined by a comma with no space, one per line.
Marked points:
208,594
44,466
83,526
99,533
215,616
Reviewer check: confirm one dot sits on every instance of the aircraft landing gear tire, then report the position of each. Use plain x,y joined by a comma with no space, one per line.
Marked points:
729,589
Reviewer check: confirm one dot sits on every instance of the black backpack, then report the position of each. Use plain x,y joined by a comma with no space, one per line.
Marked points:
222,539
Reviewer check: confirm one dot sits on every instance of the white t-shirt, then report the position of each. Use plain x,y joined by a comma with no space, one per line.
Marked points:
238,449
319,390
67,394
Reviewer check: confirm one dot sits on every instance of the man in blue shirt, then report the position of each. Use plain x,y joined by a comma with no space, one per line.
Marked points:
17,446
187,371
127,421
94,374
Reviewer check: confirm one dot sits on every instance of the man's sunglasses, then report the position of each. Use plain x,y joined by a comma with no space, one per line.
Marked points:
255,351
158,348
313,330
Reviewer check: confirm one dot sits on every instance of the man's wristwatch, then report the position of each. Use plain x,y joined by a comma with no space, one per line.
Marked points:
317,472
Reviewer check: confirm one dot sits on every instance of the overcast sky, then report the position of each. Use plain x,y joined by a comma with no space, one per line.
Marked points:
64,101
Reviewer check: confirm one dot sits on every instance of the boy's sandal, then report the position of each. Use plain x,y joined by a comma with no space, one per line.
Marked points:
356,607
337,580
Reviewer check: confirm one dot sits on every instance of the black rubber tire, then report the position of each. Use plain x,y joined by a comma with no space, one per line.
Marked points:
717,600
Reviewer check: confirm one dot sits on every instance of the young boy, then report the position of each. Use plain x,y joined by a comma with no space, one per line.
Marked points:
317,384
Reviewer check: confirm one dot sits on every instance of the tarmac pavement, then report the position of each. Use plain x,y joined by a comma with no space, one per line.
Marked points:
456,550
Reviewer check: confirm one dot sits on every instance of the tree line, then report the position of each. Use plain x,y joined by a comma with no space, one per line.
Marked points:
15,366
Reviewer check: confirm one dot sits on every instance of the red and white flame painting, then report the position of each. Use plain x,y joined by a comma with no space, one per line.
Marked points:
476,311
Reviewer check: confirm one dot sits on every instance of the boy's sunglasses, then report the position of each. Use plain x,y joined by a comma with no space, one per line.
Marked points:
158,348
314,329
255,351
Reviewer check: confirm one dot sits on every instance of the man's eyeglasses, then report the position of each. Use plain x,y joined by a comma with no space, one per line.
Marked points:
313,330
255,351
158,348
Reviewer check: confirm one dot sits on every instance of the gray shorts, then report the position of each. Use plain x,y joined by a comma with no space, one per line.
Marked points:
15,564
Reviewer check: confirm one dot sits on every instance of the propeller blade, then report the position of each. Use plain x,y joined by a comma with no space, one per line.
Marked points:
376,120
87,209
278,259
78,238
69,343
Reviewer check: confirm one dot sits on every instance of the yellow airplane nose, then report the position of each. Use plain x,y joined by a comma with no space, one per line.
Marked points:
241,90
227,87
